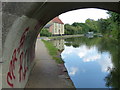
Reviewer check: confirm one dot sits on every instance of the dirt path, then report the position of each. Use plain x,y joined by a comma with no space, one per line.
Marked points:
46,72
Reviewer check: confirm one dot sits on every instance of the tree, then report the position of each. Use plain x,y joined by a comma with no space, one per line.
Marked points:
115,17
70,30
115,23
92,25
45,32
103,25
82,26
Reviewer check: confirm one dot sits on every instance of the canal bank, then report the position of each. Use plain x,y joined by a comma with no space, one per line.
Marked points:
64,36
46,73
60,37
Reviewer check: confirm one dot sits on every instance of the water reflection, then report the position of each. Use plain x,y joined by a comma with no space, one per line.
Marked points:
92,63
59,44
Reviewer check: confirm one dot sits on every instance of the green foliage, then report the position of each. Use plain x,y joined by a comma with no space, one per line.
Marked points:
92,25
84,27
45,32
103,25
76,28
115,23
70,30
108,27
115,17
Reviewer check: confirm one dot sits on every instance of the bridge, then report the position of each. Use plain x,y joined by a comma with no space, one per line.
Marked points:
21,24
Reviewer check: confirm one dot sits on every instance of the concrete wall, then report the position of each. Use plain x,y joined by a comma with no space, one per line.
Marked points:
21,23
0,45
18,52
19,36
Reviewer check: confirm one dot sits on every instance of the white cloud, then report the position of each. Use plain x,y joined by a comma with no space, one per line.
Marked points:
91,58
83,51
81,15
68,50
81,54
105,62
89,55
73,70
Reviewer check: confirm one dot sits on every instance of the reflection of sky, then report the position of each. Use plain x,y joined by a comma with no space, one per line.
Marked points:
86,66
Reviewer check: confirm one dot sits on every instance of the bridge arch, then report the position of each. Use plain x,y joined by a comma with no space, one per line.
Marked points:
22,23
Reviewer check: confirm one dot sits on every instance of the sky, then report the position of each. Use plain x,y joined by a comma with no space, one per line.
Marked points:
81,15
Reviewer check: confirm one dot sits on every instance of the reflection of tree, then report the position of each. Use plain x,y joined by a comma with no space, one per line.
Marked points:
68,44
82,41
113,78
75,45
104,45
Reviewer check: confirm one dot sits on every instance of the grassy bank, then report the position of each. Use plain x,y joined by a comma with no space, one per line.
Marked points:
53,51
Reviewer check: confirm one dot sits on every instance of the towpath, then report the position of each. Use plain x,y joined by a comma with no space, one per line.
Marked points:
46,72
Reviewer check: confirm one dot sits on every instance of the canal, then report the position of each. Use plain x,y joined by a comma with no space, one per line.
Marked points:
91,62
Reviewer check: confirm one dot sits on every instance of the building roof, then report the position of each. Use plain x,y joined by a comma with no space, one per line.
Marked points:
57,20
47,25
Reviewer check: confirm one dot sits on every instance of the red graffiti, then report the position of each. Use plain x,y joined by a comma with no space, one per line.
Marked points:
22,73
23,66
10,74
22,40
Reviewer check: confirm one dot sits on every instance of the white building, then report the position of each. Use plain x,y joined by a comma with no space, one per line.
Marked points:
55,26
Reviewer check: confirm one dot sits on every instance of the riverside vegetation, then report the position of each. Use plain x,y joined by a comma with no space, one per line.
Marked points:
53,51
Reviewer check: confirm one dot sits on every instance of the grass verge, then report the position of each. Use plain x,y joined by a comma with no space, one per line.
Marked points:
53,51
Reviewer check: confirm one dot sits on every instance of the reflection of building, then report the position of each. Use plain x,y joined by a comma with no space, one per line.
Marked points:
55,26
90,34
59,44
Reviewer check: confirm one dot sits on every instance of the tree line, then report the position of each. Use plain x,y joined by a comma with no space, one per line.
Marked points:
107,27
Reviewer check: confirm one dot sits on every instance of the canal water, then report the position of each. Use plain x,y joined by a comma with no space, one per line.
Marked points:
91,62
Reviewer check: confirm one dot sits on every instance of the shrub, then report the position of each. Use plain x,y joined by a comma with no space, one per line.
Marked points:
45,32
